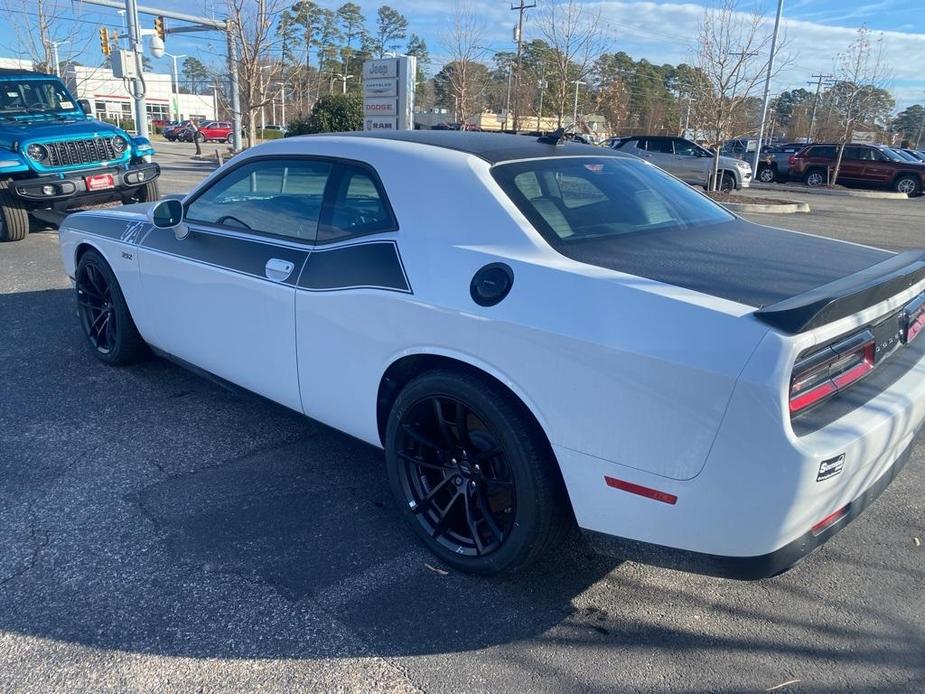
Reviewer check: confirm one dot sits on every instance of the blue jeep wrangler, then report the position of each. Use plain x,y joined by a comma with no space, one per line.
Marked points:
54,157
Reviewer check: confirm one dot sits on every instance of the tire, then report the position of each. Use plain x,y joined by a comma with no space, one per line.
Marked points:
14,217
104,316
504,507
767,174
149,192
229,138
909,184
727,183
815,178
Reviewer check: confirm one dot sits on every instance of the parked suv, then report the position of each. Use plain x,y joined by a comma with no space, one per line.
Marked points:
219,131
870,166
688,161
54,157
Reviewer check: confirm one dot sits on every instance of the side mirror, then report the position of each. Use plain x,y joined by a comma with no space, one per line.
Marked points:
168,214
85,106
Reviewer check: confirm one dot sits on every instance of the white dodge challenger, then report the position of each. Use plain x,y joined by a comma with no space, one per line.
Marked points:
538,333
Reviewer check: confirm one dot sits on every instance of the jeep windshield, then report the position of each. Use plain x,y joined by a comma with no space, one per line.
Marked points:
34,97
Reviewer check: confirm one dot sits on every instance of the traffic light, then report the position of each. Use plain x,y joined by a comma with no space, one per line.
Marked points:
160,28
104,40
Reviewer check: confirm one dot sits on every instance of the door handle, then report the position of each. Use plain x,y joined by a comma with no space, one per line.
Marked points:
278,270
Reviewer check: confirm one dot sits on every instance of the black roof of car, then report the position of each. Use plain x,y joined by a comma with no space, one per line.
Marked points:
492,147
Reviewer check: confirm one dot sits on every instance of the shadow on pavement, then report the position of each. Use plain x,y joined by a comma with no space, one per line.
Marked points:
147,510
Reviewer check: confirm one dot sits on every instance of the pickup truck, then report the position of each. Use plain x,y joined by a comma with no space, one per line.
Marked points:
55,157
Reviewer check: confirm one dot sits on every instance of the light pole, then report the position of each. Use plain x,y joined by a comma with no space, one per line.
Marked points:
282,94
575,110
343,77
176,83
767,86
54,50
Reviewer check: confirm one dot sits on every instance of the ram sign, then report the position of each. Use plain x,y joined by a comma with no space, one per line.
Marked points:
388,93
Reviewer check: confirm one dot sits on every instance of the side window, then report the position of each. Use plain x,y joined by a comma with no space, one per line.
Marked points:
280,197
358,206
661,146
685,149
641,144
823,152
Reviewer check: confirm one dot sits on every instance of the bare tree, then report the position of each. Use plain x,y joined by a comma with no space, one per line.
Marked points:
36,34
464,71
575,36
252,29
859,94
731,56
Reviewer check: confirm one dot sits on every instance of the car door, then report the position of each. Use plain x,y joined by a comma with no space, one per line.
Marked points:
346,315
660,152
692,166
223,298
852,163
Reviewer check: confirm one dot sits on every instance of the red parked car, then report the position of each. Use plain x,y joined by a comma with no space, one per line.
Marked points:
869,166
217,131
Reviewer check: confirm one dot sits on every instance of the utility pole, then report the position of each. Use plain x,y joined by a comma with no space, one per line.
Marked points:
235,93
138,83
575,110
543,84
767,86
918,137
520,7
820,79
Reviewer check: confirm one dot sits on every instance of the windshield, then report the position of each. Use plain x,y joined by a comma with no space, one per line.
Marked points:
34,97
892,154
571,199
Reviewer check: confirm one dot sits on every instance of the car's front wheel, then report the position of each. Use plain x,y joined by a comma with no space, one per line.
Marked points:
14,217
472,473
103,313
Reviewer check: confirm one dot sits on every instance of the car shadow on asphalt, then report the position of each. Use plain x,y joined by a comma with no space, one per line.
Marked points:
146,509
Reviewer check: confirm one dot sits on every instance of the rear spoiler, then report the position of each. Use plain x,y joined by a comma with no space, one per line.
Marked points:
846,296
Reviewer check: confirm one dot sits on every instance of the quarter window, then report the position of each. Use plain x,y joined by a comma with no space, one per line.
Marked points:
358,207
280,197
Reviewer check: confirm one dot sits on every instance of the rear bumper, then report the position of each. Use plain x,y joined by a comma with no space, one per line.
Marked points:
71,189
754,567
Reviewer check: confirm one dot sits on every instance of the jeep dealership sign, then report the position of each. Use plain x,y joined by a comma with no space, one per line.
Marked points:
388,93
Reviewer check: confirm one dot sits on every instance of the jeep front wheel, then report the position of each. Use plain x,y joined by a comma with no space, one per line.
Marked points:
14,217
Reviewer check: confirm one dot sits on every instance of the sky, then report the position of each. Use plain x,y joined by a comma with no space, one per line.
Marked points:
661,32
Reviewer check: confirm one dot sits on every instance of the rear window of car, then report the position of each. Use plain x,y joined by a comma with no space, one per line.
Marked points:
569,199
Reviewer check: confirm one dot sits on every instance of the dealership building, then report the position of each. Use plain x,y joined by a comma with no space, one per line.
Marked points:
110,99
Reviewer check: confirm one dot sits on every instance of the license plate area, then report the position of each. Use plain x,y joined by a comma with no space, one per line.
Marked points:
100,182
888,335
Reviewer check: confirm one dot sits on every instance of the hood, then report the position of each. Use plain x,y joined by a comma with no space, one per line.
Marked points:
20,131
726,161
737,260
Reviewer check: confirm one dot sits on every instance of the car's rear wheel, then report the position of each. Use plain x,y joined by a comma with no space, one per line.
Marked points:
103,313
472,473
229,138
815,178
14,217
908,184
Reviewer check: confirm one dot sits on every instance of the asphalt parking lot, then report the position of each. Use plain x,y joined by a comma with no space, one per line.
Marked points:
158,532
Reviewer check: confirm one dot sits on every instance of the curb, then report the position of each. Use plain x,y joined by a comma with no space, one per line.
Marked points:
875,194
780,208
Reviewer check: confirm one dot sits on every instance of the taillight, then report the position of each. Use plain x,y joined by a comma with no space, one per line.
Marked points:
915,318
793,159
821,374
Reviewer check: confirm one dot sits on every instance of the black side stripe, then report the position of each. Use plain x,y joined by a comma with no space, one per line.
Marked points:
244,256
369,265
126,230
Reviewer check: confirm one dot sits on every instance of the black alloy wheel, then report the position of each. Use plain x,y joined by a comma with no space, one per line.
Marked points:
95,308
455,476
473,473
103,313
